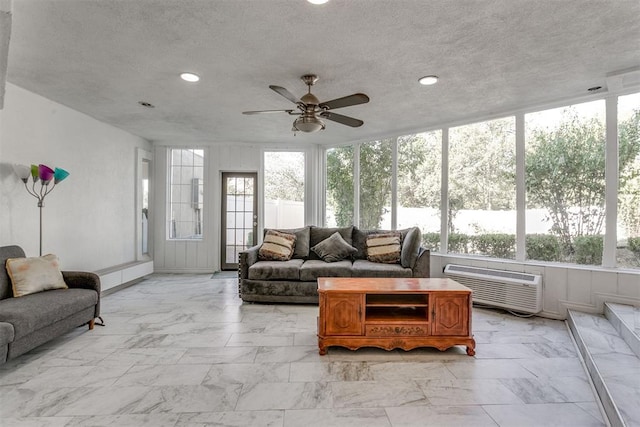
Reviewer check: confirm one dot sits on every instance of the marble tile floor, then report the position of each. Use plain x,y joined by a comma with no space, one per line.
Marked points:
183,350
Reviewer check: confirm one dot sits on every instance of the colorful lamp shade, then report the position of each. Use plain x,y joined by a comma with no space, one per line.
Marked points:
23,172
59,175
34,173
45,173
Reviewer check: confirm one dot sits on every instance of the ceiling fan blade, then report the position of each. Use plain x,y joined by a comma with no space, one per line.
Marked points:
345,101
282,91
267,111
345,120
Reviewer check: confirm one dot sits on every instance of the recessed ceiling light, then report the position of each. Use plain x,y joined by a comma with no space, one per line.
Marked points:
146,104
428,80
317,1
190,77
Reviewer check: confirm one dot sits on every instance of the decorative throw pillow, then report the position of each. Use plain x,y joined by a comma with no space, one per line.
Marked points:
37,274
384,247
277,246
301,248
333,248
410,247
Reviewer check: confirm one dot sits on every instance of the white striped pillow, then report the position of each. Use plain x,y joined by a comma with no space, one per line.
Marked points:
384,247
277,246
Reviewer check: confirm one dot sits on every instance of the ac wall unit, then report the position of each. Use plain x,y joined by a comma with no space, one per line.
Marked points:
507,289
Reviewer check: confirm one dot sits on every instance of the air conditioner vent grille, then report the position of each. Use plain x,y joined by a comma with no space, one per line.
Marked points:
497,273
502,290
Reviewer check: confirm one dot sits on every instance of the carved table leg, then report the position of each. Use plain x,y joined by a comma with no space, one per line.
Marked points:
471,348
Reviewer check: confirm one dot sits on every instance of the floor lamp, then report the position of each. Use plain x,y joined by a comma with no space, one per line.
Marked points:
40,174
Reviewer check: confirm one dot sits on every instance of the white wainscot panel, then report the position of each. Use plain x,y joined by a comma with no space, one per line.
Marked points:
629,285
604,282
555,289
579,286
497,265
436,266
480,263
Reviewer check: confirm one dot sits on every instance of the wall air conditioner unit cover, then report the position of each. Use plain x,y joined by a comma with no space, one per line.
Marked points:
507,289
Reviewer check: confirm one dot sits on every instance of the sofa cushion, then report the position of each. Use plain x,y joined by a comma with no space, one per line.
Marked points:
35,311
333,248
276,270
277,246
301,249
7,252
384,247
35,274
318,234
410,247
364,268
314,268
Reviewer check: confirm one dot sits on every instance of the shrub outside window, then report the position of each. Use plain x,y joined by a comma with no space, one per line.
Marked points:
628,233
419,178
339,192
284,189
482,189
565,180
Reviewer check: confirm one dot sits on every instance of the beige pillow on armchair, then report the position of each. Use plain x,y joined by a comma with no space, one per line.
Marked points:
37,274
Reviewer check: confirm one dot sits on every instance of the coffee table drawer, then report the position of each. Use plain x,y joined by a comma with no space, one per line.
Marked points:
408,330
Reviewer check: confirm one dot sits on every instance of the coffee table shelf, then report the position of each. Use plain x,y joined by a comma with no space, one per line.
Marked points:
394,313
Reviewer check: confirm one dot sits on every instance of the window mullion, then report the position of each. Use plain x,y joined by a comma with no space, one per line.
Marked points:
611,182
521,204
356,185
394,184
444,193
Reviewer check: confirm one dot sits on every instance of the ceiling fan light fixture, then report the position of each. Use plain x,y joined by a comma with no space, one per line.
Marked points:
190,77
428,80
308,124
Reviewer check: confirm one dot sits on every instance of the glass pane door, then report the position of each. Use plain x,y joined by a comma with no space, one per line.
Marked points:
239,216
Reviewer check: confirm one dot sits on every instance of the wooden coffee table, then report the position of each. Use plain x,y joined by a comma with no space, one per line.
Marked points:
393,313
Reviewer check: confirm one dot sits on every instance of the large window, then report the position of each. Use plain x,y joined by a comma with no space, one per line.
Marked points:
339,196
560,170
284,189
187,190
419,177
565,177
628,247
375,184
482,189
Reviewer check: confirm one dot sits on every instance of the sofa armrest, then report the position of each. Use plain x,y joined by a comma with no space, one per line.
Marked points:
83,280
246,259
423,263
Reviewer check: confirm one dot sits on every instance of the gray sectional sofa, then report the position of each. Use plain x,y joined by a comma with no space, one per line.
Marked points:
295,280
31,320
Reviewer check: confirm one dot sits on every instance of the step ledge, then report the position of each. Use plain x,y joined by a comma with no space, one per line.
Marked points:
610,408
624,329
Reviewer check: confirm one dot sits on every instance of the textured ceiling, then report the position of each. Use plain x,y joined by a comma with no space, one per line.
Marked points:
102,57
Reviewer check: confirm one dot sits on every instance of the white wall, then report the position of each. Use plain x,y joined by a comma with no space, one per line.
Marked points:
203,255
89,219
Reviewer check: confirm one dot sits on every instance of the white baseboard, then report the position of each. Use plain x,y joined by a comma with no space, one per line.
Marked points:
120,274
